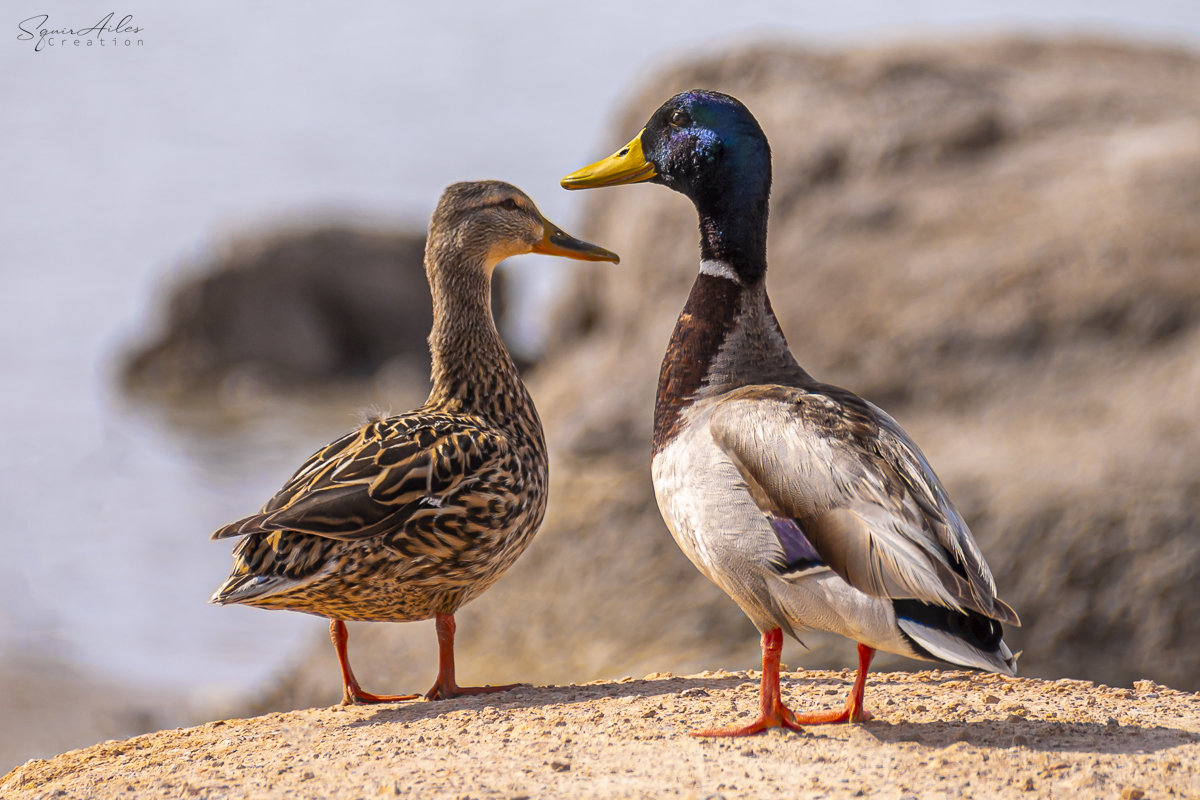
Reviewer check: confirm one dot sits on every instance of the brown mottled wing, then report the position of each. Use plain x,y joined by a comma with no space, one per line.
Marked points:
375,481
861,491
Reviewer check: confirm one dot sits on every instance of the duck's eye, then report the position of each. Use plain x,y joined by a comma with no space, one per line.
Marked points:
509,204
680,119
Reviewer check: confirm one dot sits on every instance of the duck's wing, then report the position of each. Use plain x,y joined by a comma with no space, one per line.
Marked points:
382,478
859,491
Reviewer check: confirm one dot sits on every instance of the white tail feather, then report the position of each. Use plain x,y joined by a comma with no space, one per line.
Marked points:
950,648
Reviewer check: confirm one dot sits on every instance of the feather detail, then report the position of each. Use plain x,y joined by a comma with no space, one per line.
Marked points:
798,553
371,484
967,639
861,491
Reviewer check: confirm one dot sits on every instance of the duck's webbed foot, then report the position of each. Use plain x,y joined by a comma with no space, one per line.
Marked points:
780,717
774,714
833,717
354,695
440,692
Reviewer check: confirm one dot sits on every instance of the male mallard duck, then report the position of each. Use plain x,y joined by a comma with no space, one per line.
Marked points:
412,516
808,505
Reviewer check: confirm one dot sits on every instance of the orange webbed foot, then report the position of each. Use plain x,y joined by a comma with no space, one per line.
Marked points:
352,697
439,692
834,717
774,714
783,719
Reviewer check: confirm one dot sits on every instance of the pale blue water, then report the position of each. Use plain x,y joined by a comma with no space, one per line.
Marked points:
121,167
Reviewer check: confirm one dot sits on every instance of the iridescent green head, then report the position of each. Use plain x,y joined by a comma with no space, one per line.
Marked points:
709,147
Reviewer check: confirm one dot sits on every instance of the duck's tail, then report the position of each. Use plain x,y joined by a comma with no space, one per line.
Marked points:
968,639
248,587
268,566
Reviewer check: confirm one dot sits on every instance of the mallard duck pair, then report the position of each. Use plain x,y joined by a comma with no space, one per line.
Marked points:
808,505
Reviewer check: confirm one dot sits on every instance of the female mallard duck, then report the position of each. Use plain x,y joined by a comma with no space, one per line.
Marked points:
412,516
808,505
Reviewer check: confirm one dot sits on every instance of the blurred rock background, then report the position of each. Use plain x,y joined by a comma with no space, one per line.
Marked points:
296,312
999,242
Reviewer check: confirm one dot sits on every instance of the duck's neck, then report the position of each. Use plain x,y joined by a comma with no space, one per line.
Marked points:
472,370
726,337
733,230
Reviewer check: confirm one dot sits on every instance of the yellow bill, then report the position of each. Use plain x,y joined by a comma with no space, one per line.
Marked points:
627,165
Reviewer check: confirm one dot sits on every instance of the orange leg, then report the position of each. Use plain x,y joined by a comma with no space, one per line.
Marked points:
774,714
446,687
351,692
854,711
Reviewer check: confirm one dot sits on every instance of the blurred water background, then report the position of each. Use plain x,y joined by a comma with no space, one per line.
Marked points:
124,168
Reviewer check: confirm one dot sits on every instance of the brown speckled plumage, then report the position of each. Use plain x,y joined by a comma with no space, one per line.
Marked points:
402,519
411,516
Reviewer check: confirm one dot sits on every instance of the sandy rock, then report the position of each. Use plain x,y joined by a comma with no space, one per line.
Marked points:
47,706
932,736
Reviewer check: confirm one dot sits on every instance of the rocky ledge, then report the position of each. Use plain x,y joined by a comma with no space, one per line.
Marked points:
934,734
